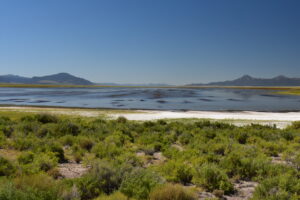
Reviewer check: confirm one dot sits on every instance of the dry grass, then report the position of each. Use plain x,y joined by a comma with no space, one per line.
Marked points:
9,154
290,92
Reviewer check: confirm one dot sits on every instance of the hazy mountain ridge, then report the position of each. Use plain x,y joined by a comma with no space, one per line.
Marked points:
68,79
247,80
59,79
63,79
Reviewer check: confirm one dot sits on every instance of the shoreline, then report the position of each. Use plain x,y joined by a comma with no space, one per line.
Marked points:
6,106
239,118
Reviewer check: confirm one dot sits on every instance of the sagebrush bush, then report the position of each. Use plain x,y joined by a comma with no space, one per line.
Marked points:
280,187
177,172
103,178
114,196
212,178
6,167
139,183
45,118
172,192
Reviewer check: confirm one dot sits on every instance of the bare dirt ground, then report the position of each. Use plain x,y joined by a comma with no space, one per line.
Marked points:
72,170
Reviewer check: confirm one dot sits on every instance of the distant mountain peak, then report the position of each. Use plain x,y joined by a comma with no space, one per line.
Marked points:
246,77
248,80
280,77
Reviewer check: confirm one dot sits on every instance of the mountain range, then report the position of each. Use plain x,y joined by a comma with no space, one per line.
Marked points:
62,79
55,79
68,79
247,80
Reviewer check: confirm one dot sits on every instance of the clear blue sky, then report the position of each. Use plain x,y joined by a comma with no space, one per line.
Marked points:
150,41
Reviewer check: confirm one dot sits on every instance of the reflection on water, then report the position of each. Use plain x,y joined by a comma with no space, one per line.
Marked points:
152,98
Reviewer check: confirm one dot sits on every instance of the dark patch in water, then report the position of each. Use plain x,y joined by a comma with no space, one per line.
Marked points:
123,95
186,102
60,102
40,101
142,100
15,100
270,95
234,99
161,101
204,99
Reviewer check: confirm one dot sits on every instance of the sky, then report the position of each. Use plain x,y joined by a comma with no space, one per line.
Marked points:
150,41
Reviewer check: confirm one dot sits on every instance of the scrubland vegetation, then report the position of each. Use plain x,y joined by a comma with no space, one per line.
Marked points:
144,160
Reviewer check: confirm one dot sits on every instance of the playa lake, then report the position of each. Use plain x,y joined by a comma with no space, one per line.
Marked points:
200,99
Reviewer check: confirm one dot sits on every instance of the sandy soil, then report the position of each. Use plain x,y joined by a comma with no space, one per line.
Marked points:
243,115
281,120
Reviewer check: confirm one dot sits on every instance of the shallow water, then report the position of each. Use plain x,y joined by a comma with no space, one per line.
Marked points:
152,98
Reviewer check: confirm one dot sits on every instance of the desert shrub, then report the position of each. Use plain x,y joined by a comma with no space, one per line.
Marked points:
149,150
67,140
27,118
45,118
212,178
241,137
58,151
70,192
247,168
253,168
177,172
26,158
77,156
128,158
45,161
4,120
103,178
7,130
28,127
295,125
6,167
114,196
271,148
185,138
282,187
208,134
54,173
292,156
121,120
67,128
217,148
85,143
23,143
139,183
42,132
37,186
34,187
172,192
106,150
288,135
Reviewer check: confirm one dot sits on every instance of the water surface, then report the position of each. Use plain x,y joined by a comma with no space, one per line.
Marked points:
214,99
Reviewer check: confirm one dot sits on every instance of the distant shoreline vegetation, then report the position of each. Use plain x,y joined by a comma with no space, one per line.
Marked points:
285,90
